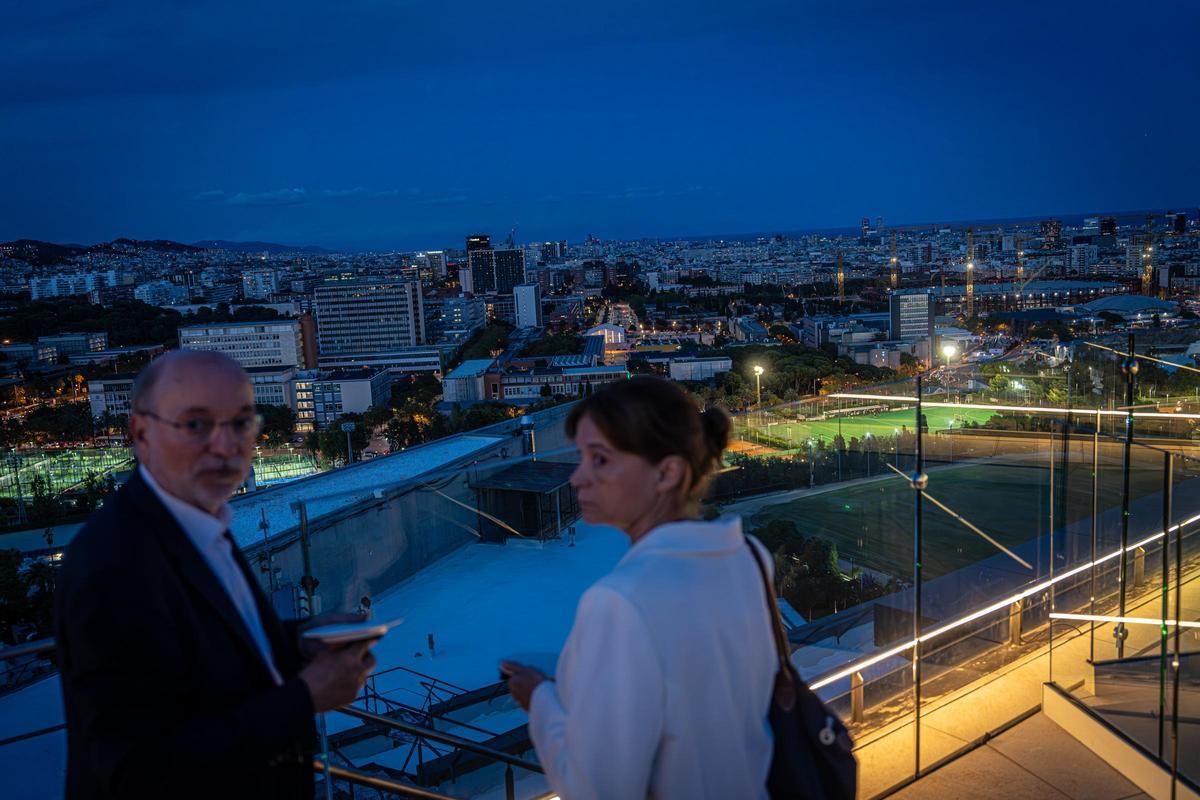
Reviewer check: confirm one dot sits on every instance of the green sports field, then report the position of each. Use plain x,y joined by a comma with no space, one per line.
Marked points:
68,469
885,424
872,521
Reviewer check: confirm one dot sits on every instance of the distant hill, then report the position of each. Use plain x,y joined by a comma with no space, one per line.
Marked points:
45,254
40,254
259,247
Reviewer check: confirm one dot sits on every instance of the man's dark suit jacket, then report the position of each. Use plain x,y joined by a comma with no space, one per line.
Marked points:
166,695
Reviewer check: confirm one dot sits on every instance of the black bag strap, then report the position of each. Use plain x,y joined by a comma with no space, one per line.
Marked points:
787,673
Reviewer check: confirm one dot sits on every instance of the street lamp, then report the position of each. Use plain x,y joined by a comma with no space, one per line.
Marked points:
949,351
758,371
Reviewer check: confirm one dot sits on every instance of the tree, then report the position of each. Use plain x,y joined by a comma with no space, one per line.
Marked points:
279,423
330,442
45,507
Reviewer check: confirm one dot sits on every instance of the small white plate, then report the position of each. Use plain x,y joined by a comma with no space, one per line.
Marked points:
348,632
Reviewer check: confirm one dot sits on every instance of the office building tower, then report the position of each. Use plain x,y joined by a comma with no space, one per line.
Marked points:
879,225
437,263
866,226
364,321
528,300
1083,256
479,241
454,319
465,281
259,284
912,314
1050,231
274,343
509,268
1177,222
1108,226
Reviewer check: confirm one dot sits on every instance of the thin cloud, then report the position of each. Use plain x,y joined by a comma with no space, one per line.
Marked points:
276,197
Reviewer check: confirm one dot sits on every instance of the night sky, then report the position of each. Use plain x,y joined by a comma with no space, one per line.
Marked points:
374,125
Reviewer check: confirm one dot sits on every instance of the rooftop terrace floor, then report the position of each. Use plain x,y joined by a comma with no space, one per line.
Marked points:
1033,759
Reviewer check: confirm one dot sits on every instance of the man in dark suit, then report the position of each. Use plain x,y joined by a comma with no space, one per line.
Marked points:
178,678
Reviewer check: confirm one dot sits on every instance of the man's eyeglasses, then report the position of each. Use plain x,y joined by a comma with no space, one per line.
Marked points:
201,428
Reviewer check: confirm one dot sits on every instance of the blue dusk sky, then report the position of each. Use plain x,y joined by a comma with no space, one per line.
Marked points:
390,124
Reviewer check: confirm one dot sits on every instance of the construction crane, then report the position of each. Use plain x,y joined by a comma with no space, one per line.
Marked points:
841,279
895,263
1148,258
970,273
1020,262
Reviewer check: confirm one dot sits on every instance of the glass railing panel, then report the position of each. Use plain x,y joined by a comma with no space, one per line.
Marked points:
815,481
986,535
432,534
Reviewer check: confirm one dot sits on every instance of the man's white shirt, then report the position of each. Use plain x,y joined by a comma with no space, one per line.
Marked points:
207,533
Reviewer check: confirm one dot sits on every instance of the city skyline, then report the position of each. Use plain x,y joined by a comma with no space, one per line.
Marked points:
388,127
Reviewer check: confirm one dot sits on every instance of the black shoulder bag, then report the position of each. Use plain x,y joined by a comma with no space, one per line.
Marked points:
812,759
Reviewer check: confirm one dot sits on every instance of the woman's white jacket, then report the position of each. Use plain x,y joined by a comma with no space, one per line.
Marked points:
663,686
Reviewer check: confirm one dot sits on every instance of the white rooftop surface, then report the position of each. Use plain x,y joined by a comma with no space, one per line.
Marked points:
331,491
484,603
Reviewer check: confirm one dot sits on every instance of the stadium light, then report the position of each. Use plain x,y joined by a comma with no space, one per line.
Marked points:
949,351
758,371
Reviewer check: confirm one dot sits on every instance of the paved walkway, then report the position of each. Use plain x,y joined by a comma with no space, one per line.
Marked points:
1034,759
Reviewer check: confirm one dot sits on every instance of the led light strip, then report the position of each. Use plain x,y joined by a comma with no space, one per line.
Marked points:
1125,620
1036,409
983,612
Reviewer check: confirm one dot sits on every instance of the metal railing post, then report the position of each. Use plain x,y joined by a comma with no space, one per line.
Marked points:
1014,623
1130,367
1168,480
918,481
510,788
858,702
1095,531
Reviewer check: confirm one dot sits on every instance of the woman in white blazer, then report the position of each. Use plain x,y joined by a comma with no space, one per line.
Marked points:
663,687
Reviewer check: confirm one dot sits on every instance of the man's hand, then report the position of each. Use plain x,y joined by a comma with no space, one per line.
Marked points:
522,680
310,647
335,677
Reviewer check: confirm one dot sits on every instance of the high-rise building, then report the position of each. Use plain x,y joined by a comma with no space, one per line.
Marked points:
367,319
480,241
259,284
273,343
432,262
528,300
866,226
509,268
1177,222
879,225
1051,232
465,280
1083,256
1108,226
912,314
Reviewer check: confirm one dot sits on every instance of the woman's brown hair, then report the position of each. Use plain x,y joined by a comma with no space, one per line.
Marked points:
654,418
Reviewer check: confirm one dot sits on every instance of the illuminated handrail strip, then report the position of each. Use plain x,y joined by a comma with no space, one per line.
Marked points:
1104,412
1125,620
983,612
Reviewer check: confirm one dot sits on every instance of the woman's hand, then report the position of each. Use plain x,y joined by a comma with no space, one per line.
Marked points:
522,680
